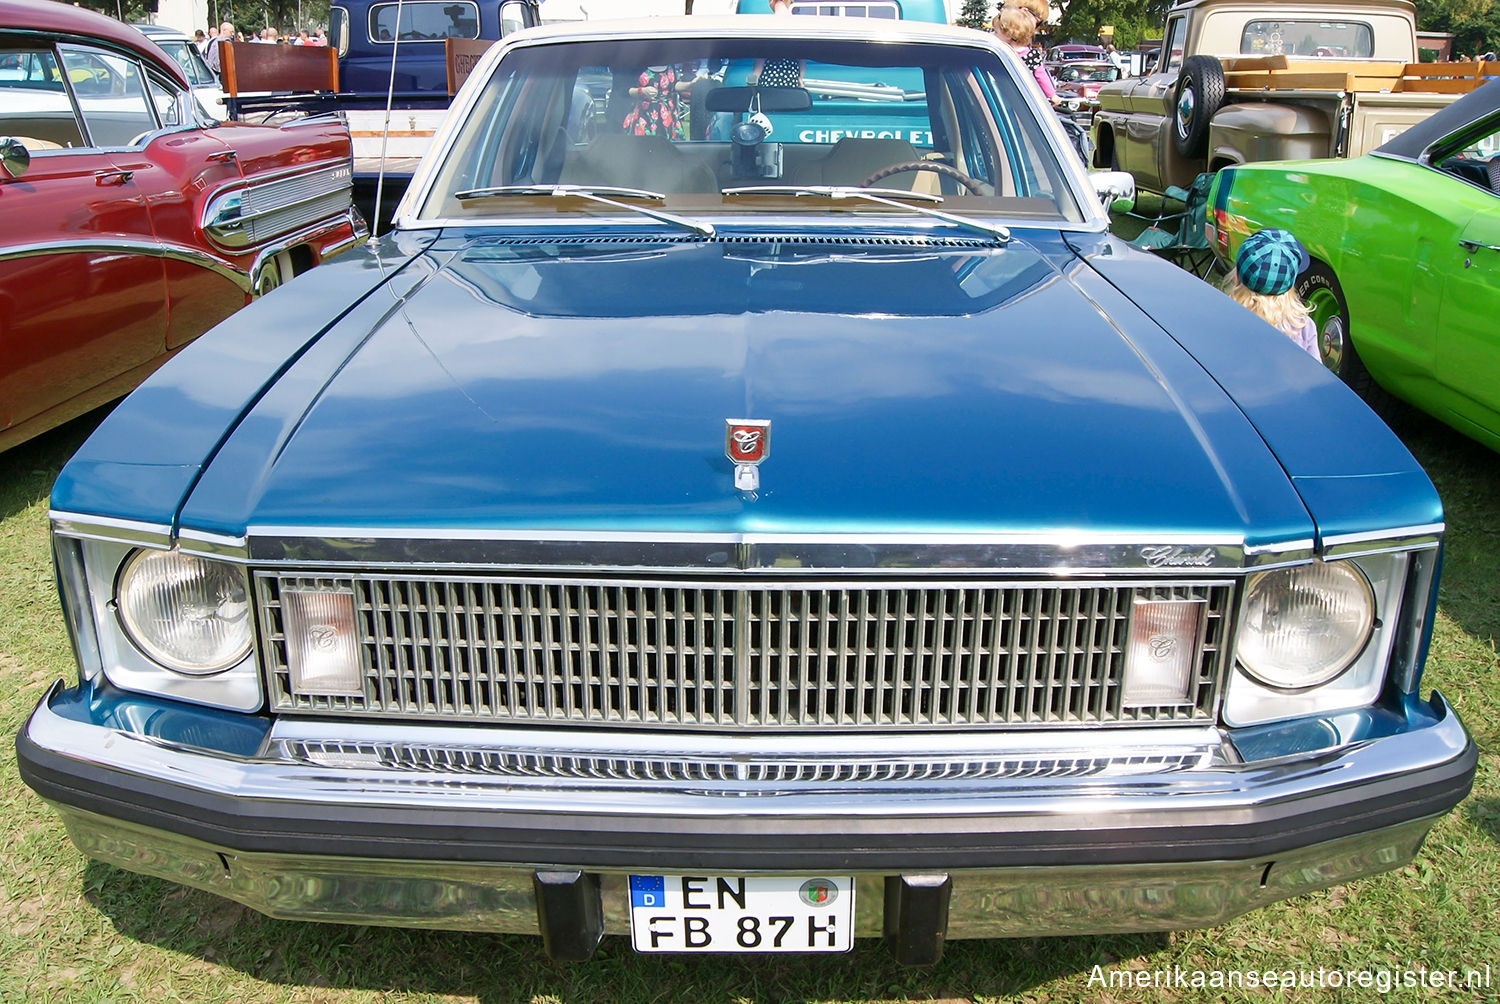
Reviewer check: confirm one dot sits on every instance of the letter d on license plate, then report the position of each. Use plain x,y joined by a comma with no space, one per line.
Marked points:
741,913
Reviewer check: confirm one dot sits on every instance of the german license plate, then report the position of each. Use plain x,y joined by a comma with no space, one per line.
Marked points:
741,913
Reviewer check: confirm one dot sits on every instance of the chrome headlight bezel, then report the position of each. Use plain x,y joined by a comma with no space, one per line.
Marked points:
123,663
1345,684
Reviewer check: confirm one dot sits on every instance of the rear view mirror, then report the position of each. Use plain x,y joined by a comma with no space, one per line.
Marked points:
772,99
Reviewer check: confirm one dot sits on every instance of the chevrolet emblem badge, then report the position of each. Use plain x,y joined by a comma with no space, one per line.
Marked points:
747,441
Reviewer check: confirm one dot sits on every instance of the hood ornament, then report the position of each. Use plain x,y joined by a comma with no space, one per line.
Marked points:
747,441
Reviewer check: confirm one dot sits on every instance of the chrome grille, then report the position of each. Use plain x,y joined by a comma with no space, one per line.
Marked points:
688,654
277,207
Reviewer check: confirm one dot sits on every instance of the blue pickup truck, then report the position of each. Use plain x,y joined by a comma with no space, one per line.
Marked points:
395,81
366,34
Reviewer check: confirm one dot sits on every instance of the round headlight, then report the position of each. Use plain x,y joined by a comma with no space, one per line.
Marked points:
1304,626
189,614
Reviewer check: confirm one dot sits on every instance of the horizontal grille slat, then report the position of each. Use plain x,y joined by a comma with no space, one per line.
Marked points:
722,771
751,655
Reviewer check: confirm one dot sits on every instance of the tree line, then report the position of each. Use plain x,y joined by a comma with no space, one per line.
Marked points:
248,16
1474,24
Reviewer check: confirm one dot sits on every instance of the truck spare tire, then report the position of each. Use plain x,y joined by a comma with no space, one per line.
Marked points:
1200,93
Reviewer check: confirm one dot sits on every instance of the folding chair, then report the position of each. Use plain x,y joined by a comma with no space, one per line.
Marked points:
1179,236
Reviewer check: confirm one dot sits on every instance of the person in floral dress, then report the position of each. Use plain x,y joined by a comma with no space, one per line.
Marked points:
659,108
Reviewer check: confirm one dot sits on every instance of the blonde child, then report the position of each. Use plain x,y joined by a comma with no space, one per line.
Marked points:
1016,23
1265,272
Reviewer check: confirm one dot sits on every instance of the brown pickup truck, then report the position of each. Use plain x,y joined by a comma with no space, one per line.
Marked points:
1253,80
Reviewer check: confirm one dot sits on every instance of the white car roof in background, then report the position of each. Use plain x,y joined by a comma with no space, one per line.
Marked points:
743,26
155,31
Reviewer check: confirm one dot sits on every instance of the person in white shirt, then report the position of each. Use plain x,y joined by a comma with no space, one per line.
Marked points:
226,34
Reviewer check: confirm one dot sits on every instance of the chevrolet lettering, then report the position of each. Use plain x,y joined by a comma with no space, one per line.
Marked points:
1174,556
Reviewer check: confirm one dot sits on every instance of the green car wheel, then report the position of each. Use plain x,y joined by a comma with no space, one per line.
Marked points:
1319,289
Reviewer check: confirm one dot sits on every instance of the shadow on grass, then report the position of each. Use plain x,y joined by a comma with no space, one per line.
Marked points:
1148,209
512,968
1467,476
28,470
1485,814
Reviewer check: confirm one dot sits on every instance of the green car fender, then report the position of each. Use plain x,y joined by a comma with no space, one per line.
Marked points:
1315,201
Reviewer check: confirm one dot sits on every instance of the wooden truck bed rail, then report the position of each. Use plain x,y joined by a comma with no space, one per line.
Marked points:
1276,73
250,67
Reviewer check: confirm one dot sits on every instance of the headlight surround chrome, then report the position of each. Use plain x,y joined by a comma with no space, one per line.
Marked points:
1347,684
190,614
1301,627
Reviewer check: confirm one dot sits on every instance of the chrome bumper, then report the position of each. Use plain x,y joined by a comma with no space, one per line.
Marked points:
1168,843
477,896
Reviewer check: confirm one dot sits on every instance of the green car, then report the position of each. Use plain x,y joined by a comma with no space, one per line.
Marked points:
1404,249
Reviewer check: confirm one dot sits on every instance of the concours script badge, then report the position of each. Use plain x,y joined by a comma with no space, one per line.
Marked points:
747,441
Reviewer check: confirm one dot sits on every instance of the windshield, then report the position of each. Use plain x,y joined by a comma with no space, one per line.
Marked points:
187,57
687,121
1318,39
1076,73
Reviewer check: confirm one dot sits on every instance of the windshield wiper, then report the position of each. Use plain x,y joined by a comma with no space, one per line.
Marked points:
592,193
880,196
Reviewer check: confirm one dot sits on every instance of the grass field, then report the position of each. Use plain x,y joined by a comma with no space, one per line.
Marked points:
73,930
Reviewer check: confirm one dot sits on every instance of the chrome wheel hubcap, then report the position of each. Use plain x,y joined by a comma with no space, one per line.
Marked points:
1185,112
1331,342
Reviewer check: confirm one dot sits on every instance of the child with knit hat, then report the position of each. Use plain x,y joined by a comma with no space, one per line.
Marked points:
1265,272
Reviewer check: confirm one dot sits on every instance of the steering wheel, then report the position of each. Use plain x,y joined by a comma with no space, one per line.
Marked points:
92,84
947,170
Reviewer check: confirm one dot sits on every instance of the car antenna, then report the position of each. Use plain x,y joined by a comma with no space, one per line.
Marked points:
385,131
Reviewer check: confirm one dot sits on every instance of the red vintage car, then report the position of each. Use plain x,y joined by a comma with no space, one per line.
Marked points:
134,222
1078,82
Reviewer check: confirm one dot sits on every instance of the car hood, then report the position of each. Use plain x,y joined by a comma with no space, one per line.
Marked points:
969,389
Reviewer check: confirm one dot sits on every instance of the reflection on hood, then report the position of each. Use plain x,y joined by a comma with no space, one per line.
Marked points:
702,278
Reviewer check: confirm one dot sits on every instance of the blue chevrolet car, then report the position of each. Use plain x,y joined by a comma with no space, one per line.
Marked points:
745,549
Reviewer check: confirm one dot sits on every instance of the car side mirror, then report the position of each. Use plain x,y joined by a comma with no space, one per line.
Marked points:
185,112
517,14
14,157
1116,190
